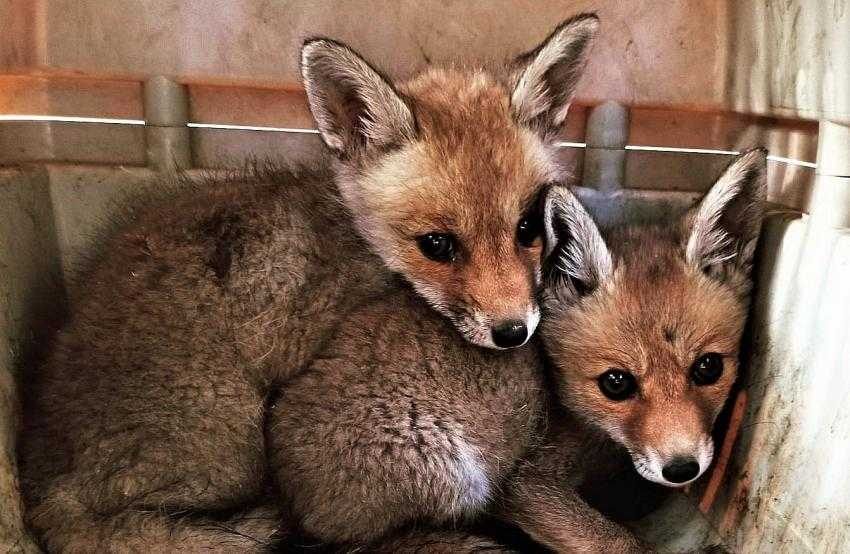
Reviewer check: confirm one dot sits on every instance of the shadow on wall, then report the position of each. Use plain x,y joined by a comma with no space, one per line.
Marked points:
31,304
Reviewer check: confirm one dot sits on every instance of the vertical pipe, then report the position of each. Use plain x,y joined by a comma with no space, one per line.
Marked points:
166,105
830,205
605,156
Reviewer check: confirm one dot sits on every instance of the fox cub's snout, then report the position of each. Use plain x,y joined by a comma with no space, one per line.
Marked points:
645,323
443,172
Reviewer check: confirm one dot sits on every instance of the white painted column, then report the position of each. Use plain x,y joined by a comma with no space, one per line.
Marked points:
830,204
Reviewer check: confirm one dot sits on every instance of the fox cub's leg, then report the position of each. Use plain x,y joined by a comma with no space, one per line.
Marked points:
399,421
152,472
74,528
355,462
438,541
543,501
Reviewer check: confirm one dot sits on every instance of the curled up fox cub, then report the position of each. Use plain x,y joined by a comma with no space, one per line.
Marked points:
144,426
400,423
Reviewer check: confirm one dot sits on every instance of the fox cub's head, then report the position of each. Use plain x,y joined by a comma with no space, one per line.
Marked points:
443,172
643,324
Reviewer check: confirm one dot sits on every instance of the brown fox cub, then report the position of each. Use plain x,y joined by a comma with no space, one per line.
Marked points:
144,428
442,174
643,329
400,422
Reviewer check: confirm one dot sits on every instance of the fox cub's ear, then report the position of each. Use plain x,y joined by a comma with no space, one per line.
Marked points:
354,106
577,259
545,79
722,231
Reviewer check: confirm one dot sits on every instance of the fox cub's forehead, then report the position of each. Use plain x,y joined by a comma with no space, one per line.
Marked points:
654,312
472,169
441,95
465,121
668,307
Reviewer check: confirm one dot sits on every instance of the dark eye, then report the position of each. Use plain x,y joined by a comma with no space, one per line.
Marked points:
617,384
707,369
439,247
528,229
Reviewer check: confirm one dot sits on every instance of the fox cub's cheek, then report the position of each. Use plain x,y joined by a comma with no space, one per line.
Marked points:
532,256
536,246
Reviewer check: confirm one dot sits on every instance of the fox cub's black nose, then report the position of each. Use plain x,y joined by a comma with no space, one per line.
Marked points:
510,334
681,470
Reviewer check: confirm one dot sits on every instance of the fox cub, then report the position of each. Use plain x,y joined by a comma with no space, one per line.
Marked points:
401,424
144,429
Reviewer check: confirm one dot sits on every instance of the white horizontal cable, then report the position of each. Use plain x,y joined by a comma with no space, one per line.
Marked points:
296,130
680,150
230,127
71,119
791,161
671,149
571,144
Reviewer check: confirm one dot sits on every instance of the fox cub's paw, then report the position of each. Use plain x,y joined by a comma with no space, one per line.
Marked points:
714,549
257,529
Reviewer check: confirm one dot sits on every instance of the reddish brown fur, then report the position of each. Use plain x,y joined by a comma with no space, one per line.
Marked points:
147,416
363,440
401,422
652,311
460,152
653,295
144,430
471,147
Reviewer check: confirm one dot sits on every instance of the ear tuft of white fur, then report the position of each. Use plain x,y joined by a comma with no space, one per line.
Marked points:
725,226
547,77
353,105
574,239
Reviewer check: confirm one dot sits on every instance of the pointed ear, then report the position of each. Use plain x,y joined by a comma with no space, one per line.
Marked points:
722,231
354,106
545,79
577,260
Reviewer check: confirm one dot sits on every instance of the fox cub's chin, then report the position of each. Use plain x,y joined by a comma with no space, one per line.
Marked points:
644,324
444,172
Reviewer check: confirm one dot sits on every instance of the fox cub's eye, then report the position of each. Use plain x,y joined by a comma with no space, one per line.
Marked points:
707,369
617,384
439,247
528,229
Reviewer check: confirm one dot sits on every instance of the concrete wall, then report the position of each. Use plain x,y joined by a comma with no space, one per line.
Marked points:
789,58
256,41
783,58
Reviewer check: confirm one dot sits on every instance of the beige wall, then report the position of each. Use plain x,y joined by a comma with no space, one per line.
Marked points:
74,57
645,56
786,58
